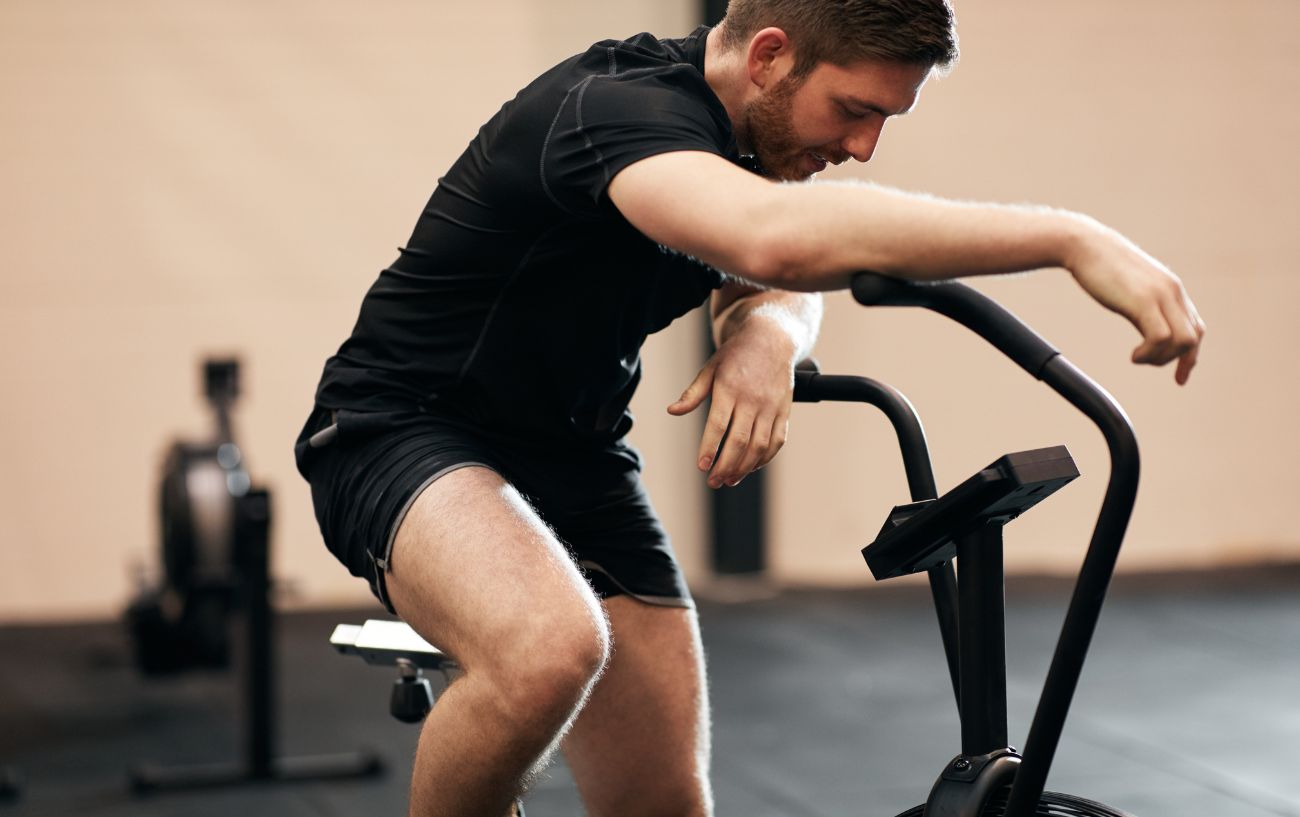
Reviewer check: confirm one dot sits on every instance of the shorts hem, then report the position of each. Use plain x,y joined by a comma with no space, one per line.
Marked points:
685,602
384,563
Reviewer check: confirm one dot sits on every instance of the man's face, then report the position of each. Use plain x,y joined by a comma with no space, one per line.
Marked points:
797,126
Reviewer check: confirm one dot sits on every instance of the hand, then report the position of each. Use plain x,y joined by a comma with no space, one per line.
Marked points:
1124,279
751,378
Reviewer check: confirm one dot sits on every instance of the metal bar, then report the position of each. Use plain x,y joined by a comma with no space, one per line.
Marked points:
254,519
983,641
1090,590
943,589
813,387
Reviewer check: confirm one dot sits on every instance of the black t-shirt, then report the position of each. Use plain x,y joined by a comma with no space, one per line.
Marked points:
523,297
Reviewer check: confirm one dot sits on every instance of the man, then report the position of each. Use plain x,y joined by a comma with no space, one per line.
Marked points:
466,454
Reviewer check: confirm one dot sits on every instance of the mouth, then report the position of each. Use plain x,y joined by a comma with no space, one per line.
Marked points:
820,161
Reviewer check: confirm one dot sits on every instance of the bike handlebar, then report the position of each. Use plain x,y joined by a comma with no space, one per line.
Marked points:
972,309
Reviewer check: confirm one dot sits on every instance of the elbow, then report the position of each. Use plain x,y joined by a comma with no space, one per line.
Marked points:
778,243
775,259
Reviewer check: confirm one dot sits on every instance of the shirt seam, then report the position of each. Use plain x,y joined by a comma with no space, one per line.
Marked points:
600,157
550,134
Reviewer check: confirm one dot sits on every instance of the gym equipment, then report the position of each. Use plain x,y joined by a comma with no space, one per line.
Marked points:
11,788
216,558
989,778
392,643
183,623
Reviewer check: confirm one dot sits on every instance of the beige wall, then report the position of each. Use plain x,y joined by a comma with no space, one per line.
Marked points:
182,178
1174,122
187,178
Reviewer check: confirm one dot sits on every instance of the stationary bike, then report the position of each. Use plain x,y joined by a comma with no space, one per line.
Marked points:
989,777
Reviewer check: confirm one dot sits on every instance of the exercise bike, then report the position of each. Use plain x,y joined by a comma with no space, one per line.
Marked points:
989,777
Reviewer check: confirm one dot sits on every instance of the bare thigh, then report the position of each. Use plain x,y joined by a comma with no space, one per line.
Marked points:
477,573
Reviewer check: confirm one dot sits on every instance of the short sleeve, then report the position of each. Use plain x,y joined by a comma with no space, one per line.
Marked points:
606,123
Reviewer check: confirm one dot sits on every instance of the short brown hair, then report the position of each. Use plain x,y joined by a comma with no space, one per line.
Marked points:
841,32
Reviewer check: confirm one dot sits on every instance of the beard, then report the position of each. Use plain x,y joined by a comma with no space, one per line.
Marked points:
769,125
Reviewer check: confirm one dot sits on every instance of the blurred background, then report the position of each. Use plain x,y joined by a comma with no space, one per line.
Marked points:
189,179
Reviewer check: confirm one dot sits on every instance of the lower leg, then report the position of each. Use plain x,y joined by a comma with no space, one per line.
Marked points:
474,757
641,744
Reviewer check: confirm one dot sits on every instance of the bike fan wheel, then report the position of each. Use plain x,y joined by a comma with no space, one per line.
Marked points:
1051,804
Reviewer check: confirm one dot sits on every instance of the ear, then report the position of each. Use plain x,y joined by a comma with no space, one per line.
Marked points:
770,56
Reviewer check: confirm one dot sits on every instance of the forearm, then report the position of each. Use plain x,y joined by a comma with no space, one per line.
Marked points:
813,237
822,233
790,320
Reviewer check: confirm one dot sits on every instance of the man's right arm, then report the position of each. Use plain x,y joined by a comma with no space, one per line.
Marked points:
812,237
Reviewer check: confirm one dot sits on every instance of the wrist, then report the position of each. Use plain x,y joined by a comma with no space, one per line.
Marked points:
769,328
1077,238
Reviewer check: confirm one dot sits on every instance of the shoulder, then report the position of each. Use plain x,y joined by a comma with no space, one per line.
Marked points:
644,75
640,51
622,101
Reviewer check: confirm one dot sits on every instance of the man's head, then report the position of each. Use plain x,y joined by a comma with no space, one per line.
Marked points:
825,74
843,32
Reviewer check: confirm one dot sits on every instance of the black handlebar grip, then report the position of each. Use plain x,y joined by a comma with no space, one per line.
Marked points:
971,309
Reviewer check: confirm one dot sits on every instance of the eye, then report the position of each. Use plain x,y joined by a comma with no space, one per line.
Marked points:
849,113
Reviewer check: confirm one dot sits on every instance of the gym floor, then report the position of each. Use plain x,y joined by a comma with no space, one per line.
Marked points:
825,703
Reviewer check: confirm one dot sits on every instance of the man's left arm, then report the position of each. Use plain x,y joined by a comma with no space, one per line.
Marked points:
760,336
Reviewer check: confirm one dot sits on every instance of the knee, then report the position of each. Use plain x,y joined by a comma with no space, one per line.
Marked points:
548,667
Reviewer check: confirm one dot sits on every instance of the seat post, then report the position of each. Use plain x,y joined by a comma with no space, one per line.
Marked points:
983,639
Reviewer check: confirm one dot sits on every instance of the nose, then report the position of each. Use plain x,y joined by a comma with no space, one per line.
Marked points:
861,144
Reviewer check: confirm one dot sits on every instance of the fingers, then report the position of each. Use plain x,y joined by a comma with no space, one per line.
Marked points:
780,430
1188,360
695,393
735,441
716,427
1156,334
735,452
1184,370
1123,278
1171,330
748,446
750,391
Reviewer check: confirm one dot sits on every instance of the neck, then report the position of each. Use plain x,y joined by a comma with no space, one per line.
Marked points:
725,73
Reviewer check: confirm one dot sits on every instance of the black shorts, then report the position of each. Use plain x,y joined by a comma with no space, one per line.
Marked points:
366,470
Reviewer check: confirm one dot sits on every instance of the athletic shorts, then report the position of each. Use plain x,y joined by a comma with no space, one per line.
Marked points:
366,471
